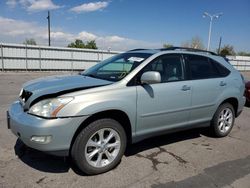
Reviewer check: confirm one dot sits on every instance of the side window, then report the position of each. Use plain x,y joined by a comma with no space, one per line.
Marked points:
223,71
201,67
169,66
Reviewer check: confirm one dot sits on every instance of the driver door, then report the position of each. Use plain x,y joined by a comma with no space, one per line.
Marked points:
164,105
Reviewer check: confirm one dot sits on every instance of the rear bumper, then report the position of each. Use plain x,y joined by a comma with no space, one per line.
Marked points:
61,130
247,95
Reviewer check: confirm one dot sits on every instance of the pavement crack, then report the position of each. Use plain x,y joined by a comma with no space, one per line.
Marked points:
178,158
153,157
41,180
205,144
238,138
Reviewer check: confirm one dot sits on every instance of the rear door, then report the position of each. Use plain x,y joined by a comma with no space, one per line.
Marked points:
207,85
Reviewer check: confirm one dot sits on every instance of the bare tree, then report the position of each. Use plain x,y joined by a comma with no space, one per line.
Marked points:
185,44
195,42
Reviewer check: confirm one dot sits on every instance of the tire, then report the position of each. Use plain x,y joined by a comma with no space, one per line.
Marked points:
93,153
223,120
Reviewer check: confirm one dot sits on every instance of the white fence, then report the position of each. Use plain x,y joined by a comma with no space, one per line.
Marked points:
27,57
242,63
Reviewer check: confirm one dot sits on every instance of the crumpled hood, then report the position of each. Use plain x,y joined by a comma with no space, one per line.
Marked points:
57,85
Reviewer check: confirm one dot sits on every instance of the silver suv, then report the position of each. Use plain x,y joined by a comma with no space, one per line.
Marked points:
132,96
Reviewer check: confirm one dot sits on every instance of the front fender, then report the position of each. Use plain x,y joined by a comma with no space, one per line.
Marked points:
123,99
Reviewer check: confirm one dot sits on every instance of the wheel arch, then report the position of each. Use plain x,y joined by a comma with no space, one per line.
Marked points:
117,115
234,102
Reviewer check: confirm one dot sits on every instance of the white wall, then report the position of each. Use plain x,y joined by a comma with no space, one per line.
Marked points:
28,57
242,63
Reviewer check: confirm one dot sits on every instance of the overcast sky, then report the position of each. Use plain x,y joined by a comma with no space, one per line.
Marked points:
126,24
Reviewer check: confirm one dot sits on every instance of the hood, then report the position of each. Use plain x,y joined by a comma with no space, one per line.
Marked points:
58,85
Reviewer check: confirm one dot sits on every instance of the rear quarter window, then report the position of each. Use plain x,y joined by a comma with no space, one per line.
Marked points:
223,71
200,67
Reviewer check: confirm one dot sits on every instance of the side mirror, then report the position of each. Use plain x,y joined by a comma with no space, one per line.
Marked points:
151,77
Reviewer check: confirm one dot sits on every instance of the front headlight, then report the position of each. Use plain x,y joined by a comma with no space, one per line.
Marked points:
49,107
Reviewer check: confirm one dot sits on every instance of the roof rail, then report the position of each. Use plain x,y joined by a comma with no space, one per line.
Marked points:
188,49
137,49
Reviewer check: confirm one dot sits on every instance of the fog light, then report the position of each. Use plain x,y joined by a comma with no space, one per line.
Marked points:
41,139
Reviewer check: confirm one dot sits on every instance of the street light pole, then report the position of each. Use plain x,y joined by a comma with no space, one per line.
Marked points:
209,33
48,27
205,14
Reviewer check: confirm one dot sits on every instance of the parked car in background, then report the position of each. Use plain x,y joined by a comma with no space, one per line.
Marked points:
130,97
247,93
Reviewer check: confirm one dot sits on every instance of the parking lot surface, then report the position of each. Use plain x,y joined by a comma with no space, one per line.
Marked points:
185,159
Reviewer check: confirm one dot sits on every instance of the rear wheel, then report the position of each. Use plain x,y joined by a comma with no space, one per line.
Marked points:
99,147
223,120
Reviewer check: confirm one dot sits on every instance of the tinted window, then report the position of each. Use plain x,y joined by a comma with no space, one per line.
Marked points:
223,71
169,66
201,67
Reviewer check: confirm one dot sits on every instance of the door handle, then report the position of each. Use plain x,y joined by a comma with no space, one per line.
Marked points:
222,83
185,88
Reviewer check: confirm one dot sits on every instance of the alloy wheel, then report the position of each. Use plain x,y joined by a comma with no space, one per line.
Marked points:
102,147
225,120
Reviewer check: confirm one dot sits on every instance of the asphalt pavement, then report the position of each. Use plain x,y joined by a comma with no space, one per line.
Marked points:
190,159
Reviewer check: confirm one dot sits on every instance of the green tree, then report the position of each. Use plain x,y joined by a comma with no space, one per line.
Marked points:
227,50
77,44
166,45
91,45
80,44
30,41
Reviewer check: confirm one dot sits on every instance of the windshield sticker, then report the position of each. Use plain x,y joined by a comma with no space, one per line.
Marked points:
137,59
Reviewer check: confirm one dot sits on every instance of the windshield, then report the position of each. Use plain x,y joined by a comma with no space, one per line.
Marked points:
116,67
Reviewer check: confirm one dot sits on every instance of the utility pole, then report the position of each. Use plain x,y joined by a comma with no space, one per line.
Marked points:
219,46
48,17
211,17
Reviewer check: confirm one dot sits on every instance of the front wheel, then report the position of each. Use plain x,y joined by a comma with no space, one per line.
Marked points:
99,147
223,120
